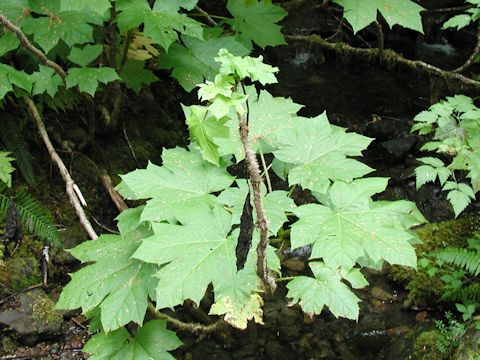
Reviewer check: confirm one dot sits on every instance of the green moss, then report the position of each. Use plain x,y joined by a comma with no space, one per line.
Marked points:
426,346
9,345
20,272
435,236
43,310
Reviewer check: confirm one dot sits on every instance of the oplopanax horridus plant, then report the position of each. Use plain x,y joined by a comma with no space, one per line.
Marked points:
184,238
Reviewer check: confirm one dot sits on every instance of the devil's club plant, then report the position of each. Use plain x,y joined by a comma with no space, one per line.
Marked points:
184,238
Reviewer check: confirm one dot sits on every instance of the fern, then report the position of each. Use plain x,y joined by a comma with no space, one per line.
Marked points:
33,216
468,260
15,142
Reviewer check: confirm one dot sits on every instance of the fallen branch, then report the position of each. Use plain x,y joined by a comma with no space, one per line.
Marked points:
116,198
69,183
388,58
28,45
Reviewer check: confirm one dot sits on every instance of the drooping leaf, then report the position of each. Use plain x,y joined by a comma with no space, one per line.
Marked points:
459,200
136,76
361,13
117,283
349,225
256,21
182,185
325,289
8,42
457,21
45,81
203,129
9,77
319,153
88,79
193,62
85,56
152,342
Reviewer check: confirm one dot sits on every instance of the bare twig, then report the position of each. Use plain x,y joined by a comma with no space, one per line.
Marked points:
125,135
106,228
207,15
116,198
4,300
69,183
191,327
28,45
472,57
256,180
388,58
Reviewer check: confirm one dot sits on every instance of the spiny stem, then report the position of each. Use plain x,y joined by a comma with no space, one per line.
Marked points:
265,169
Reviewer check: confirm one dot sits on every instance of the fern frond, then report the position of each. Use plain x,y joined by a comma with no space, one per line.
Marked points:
15,142
468,260
464,294
34,217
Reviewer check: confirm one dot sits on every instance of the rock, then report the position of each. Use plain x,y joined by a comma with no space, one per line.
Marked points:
34,319
381,294
470,344
294,264
399,148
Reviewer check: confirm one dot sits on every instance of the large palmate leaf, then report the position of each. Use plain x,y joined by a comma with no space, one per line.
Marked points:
136,76
98,6
182,185
194,61
319,152
275,204
87,79
52,24
267,116
160,24
349,225
325,289
195,253
8,42
257,21
45,81
117,283
152,342
361,13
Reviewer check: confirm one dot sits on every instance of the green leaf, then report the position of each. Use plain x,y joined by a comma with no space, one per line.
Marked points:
424,174
182,185
435,162
85,56
152,342
457,21
194,254
247,66
255,20
88,79
326,289
136,76
355,278
349,225
98,6
45,81
459,201
70,26
319,153
361,13
194,62
129,220
474,170
10,76
174,5
131,13
8,42
6,168
117,283
15,10
203,128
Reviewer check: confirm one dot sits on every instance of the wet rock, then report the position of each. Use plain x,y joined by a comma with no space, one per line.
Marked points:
381,294
294,264
470,344
34,319
399,148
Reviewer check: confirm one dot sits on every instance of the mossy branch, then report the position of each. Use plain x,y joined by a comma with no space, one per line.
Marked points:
388,58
